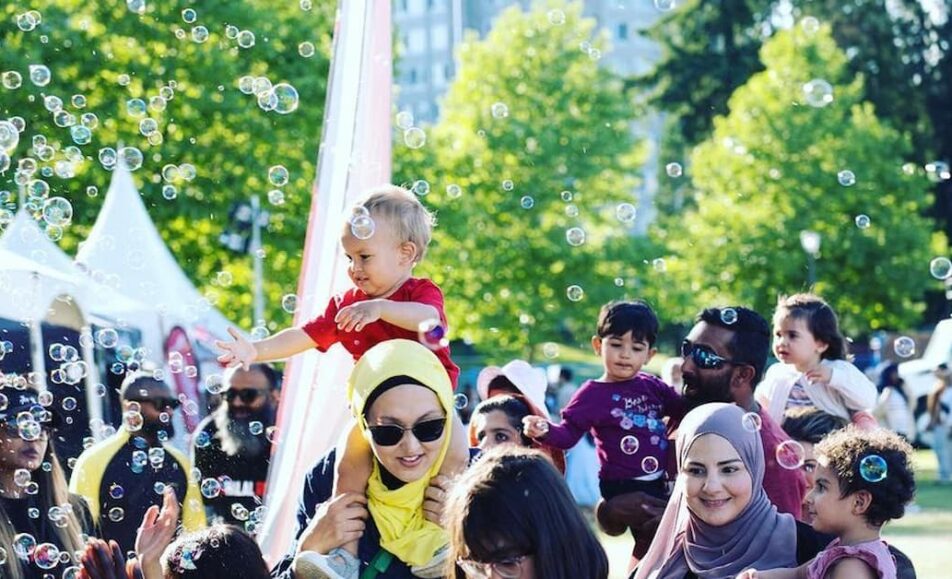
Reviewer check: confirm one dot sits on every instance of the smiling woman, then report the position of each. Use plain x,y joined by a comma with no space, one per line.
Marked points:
719,520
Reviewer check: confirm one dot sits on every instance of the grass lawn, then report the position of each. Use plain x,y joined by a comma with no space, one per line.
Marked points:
925,534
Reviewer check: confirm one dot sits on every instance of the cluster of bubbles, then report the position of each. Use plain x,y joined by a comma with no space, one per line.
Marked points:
432,334
278,176
281,98
173,175
938,171
413,136
29,20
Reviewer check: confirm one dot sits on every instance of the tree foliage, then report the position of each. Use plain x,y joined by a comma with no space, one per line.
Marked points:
531,119
771,169
109,54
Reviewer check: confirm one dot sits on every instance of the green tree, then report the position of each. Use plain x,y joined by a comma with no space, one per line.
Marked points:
772,168
109,54
534,140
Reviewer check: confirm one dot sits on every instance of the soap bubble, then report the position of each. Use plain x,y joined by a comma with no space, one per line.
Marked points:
58,211
215,384
22,477
137,6
575,236
136,107
11,80
938,171
199,34
278,175
659,265
575,293
289,303
24,545
246,39
629,445
420,188
9,136
790,454
453,191
211,488
239,511
499,110
414,137
904,346
527,202
674,169
873,468
940,268
626,213
460,401
169,192
132,419
189,15
550,350
362,227
665,5
39,74
46,556
649,464
286,98
862,221
729,316
405,120
508,185
69,404
246,84
810,24
116,491
556,17
132,157
751,422
81,135
255,427
203,439
306,49
846,178
116,514
432,334
818,93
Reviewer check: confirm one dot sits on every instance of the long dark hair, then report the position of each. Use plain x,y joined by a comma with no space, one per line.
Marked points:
218,552
53,492
514,500
514,408
821,321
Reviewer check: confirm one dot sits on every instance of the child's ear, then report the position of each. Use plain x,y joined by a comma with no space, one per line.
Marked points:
861,502
597,345
651,353
821,347
408,252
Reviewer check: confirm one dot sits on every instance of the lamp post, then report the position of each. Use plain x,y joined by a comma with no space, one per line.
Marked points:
810,241
243,235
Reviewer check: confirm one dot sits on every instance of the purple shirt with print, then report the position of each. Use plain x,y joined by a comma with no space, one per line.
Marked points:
625,419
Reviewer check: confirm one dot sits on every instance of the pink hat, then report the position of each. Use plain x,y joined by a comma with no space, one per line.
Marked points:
528,380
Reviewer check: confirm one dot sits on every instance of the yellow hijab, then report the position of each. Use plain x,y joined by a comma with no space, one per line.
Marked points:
398,513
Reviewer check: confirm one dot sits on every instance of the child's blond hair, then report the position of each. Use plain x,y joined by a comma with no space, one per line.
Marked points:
400,208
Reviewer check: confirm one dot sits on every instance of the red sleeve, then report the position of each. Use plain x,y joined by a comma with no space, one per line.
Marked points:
322,329
427,292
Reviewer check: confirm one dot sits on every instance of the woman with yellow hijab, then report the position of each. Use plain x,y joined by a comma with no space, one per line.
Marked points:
402,397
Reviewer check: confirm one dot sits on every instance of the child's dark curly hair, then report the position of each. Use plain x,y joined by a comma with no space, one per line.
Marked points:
844,452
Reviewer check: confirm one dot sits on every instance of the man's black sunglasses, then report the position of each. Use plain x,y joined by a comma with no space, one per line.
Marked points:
159,403
391,434
247,395
703,356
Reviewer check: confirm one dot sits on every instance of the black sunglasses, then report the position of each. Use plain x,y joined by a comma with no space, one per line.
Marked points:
703,356
247,395
159,403
391,434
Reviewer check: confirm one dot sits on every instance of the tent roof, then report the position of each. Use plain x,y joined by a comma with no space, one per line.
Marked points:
124,243
24,237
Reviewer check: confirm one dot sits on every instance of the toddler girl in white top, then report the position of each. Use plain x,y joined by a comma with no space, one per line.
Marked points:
813,369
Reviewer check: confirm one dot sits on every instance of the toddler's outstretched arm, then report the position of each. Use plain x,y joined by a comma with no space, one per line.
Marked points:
406,315
243,352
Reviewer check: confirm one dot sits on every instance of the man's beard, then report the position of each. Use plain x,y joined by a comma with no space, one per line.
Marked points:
713,389
152,430
235,433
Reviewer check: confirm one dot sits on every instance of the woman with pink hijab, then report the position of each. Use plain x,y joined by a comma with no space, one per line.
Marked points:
719,520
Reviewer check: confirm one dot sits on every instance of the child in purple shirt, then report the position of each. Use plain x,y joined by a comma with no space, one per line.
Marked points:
623,409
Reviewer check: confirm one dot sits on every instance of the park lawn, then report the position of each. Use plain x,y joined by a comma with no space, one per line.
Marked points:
925,534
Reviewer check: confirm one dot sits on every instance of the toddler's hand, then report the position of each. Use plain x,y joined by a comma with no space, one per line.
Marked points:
535,426
241,352
355,317
820,375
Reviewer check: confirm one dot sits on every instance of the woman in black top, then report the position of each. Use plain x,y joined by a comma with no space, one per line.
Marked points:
39,519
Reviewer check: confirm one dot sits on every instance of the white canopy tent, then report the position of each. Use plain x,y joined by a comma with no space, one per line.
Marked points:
125,247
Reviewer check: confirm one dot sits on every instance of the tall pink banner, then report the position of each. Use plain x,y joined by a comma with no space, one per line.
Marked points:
354,155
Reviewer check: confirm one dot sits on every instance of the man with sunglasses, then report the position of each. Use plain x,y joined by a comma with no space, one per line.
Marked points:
122,476
725,355
233,443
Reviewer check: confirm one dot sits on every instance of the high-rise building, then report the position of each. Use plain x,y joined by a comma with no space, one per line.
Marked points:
428,32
